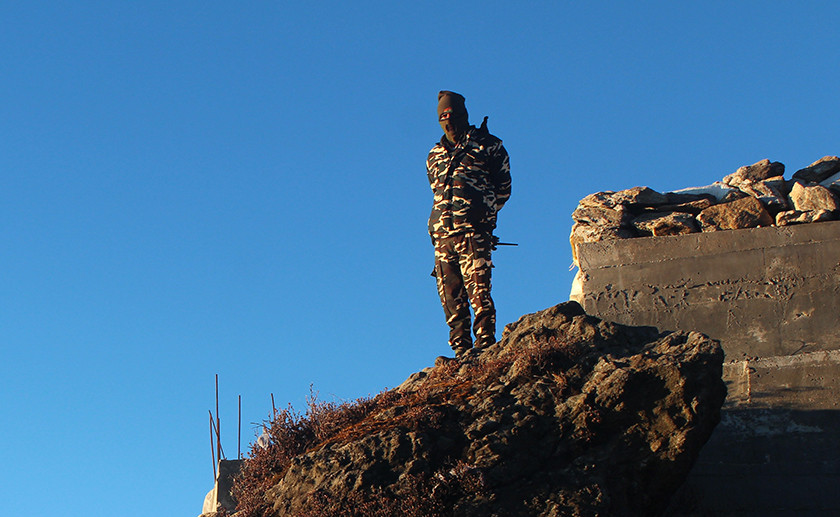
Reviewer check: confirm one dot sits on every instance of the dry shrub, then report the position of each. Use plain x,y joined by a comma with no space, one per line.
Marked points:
423,409
292,434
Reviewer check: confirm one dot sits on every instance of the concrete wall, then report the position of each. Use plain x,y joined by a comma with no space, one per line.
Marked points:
770,295
221,495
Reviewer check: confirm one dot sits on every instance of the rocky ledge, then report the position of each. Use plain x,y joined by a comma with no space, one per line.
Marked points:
566,415
754,195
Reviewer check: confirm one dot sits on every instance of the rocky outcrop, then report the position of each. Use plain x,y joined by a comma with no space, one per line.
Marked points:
754,195
566,415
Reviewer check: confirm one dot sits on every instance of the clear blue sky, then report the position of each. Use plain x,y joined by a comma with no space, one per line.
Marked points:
190,188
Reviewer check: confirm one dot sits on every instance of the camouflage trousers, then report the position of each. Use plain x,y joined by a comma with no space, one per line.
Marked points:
462,268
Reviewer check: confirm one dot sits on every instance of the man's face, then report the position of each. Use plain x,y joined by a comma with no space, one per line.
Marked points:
453,125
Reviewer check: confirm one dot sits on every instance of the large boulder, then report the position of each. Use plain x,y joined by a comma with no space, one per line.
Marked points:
594,222
747,212
600,216
771,192
587,232
636,196
819,171
566,415
758,171
665,223
790,217
812,197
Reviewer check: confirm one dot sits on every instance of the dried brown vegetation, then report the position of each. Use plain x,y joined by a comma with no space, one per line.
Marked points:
324,423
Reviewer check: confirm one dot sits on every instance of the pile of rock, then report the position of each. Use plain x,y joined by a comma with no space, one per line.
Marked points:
754,195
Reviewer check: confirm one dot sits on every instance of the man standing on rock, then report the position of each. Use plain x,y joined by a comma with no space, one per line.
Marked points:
469,173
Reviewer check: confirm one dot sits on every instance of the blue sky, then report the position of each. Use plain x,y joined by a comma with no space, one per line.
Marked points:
190,188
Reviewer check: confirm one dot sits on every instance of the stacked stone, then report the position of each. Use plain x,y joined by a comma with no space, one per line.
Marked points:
754,195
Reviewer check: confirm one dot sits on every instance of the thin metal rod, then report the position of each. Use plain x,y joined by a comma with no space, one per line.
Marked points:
273,408
218,427
221,449
239,432
212,447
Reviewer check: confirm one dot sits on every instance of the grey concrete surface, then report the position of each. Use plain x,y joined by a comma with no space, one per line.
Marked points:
762,292
221,494
228,469
770,295
804,381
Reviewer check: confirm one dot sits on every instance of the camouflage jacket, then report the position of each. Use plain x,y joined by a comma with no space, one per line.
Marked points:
470,181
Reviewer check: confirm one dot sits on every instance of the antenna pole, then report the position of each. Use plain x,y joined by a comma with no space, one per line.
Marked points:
239,432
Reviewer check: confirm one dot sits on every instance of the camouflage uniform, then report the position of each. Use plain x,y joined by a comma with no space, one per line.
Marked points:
471,181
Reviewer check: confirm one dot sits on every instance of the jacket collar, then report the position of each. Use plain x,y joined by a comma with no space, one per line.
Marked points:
468,135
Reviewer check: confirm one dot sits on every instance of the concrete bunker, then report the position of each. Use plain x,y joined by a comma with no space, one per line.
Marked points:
770,295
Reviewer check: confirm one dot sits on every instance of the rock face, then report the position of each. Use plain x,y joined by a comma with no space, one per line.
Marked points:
566,415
